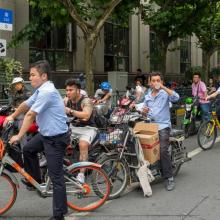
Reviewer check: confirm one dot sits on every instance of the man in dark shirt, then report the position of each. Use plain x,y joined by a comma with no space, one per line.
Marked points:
140,77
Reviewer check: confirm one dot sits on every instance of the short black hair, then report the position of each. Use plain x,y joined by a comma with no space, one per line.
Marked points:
139,70
72,82
42,67
197,74
152,74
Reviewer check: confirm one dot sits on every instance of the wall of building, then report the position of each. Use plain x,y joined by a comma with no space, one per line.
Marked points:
139,45
173,59
21,20
139,48
196,52
98,58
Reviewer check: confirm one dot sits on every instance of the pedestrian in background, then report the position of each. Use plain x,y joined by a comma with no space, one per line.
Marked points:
140,77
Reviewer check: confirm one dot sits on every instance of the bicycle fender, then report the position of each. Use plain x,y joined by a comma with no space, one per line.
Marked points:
82,164
186,121
14,179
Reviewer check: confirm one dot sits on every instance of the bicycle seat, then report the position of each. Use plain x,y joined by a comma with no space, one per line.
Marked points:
176,132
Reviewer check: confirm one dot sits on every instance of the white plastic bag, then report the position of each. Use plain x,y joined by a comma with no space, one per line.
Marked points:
144,173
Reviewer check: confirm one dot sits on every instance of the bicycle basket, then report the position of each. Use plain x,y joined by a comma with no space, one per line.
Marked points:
111,136
119,115
2,149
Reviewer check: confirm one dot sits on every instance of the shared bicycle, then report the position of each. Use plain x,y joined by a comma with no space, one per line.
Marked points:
81,196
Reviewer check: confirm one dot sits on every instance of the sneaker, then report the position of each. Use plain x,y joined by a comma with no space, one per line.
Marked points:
169,184
80,177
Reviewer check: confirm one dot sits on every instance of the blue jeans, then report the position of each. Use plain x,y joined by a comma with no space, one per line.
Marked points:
205,108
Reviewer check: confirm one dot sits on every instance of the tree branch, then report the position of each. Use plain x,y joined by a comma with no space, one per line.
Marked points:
99,24
73,13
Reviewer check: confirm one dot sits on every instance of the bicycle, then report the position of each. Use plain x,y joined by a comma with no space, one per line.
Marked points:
207,133
81,196
122,163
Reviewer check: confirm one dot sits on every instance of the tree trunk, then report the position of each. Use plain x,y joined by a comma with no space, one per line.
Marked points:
206,64
90,42
162,55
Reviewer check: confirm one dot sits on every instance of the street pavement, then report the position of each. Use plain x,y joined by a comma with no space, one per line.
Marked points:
196,196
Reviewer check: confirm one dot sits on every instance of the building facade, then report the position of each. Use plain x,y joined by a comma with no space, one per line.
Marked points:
117,49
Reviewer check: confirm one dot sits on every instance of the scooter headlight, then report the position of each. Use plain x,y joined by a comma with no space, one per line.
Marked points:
188,107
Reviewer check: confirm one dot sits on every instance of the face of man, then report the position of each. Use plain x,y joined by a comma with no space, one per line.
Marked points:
72,92
155,80
18,86
105,91
196,78
36,78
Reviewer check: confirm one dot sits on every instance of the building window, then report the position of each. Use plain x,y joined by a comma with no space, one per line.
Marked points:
116,47
185,54
154,51
56,47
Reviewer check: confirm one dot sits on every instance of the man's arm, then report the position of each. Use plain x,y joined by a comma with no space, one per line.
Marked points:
28,120
173,96
106,97
22,108
213,95
86,112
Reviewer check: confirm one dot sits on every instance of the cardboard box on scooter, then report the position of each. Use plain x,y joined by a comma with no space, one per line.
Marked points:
149,139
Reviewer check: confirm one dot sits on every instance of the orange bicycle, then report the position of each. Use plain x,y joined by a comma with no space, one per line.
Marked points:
81,196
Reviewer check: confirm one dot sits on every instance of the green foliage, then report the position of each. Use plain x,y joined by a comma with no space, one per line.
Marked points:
46,14
10,67
208,29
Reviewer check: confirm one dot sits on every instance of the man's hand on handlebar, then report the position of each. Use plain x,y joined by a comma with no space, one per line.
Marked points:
14,139
8,119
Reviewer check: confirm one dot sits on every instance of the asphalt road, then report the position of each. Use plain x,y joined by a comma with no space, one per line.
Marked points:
196,196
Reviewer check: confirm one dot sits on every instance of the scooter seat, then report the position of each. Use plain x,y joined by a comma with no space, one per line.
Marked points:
176,132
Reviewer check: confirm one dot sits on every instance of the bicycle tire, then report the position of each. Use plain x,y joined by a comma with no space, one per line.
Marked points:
203,128
88,187
112,173
5,184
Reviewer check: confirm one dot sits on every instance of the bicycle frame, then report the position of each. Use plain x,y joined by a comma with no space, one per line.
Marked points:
44,188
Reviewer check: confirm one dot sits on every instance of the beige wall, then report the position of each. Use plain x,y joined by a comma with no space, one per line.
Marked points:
21,20
98,56
139,48
196,52
173,59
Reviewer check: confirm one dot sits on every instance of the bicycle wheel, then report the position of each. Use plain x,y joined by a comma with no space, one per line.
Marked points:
84,197
206,135
117,171
8,193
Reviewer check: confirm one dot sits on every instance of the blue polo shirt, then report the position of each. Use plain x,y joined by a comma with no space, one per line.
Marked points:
159,107
49,106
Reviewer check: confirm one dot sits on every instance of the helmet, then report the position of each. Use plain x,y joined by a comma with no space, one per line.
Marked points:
105,86
17,80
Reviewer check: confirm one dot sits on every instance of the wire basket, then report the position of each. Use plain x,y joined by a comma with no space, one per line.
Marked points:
119,116
111,136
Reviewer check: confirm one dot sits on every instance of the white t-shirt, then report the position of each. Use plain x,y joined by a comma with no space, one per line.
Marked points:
99,94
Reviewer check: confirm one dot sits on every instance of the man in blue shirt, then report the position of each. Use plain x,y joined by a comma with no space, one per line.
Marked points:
156,105
46,105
